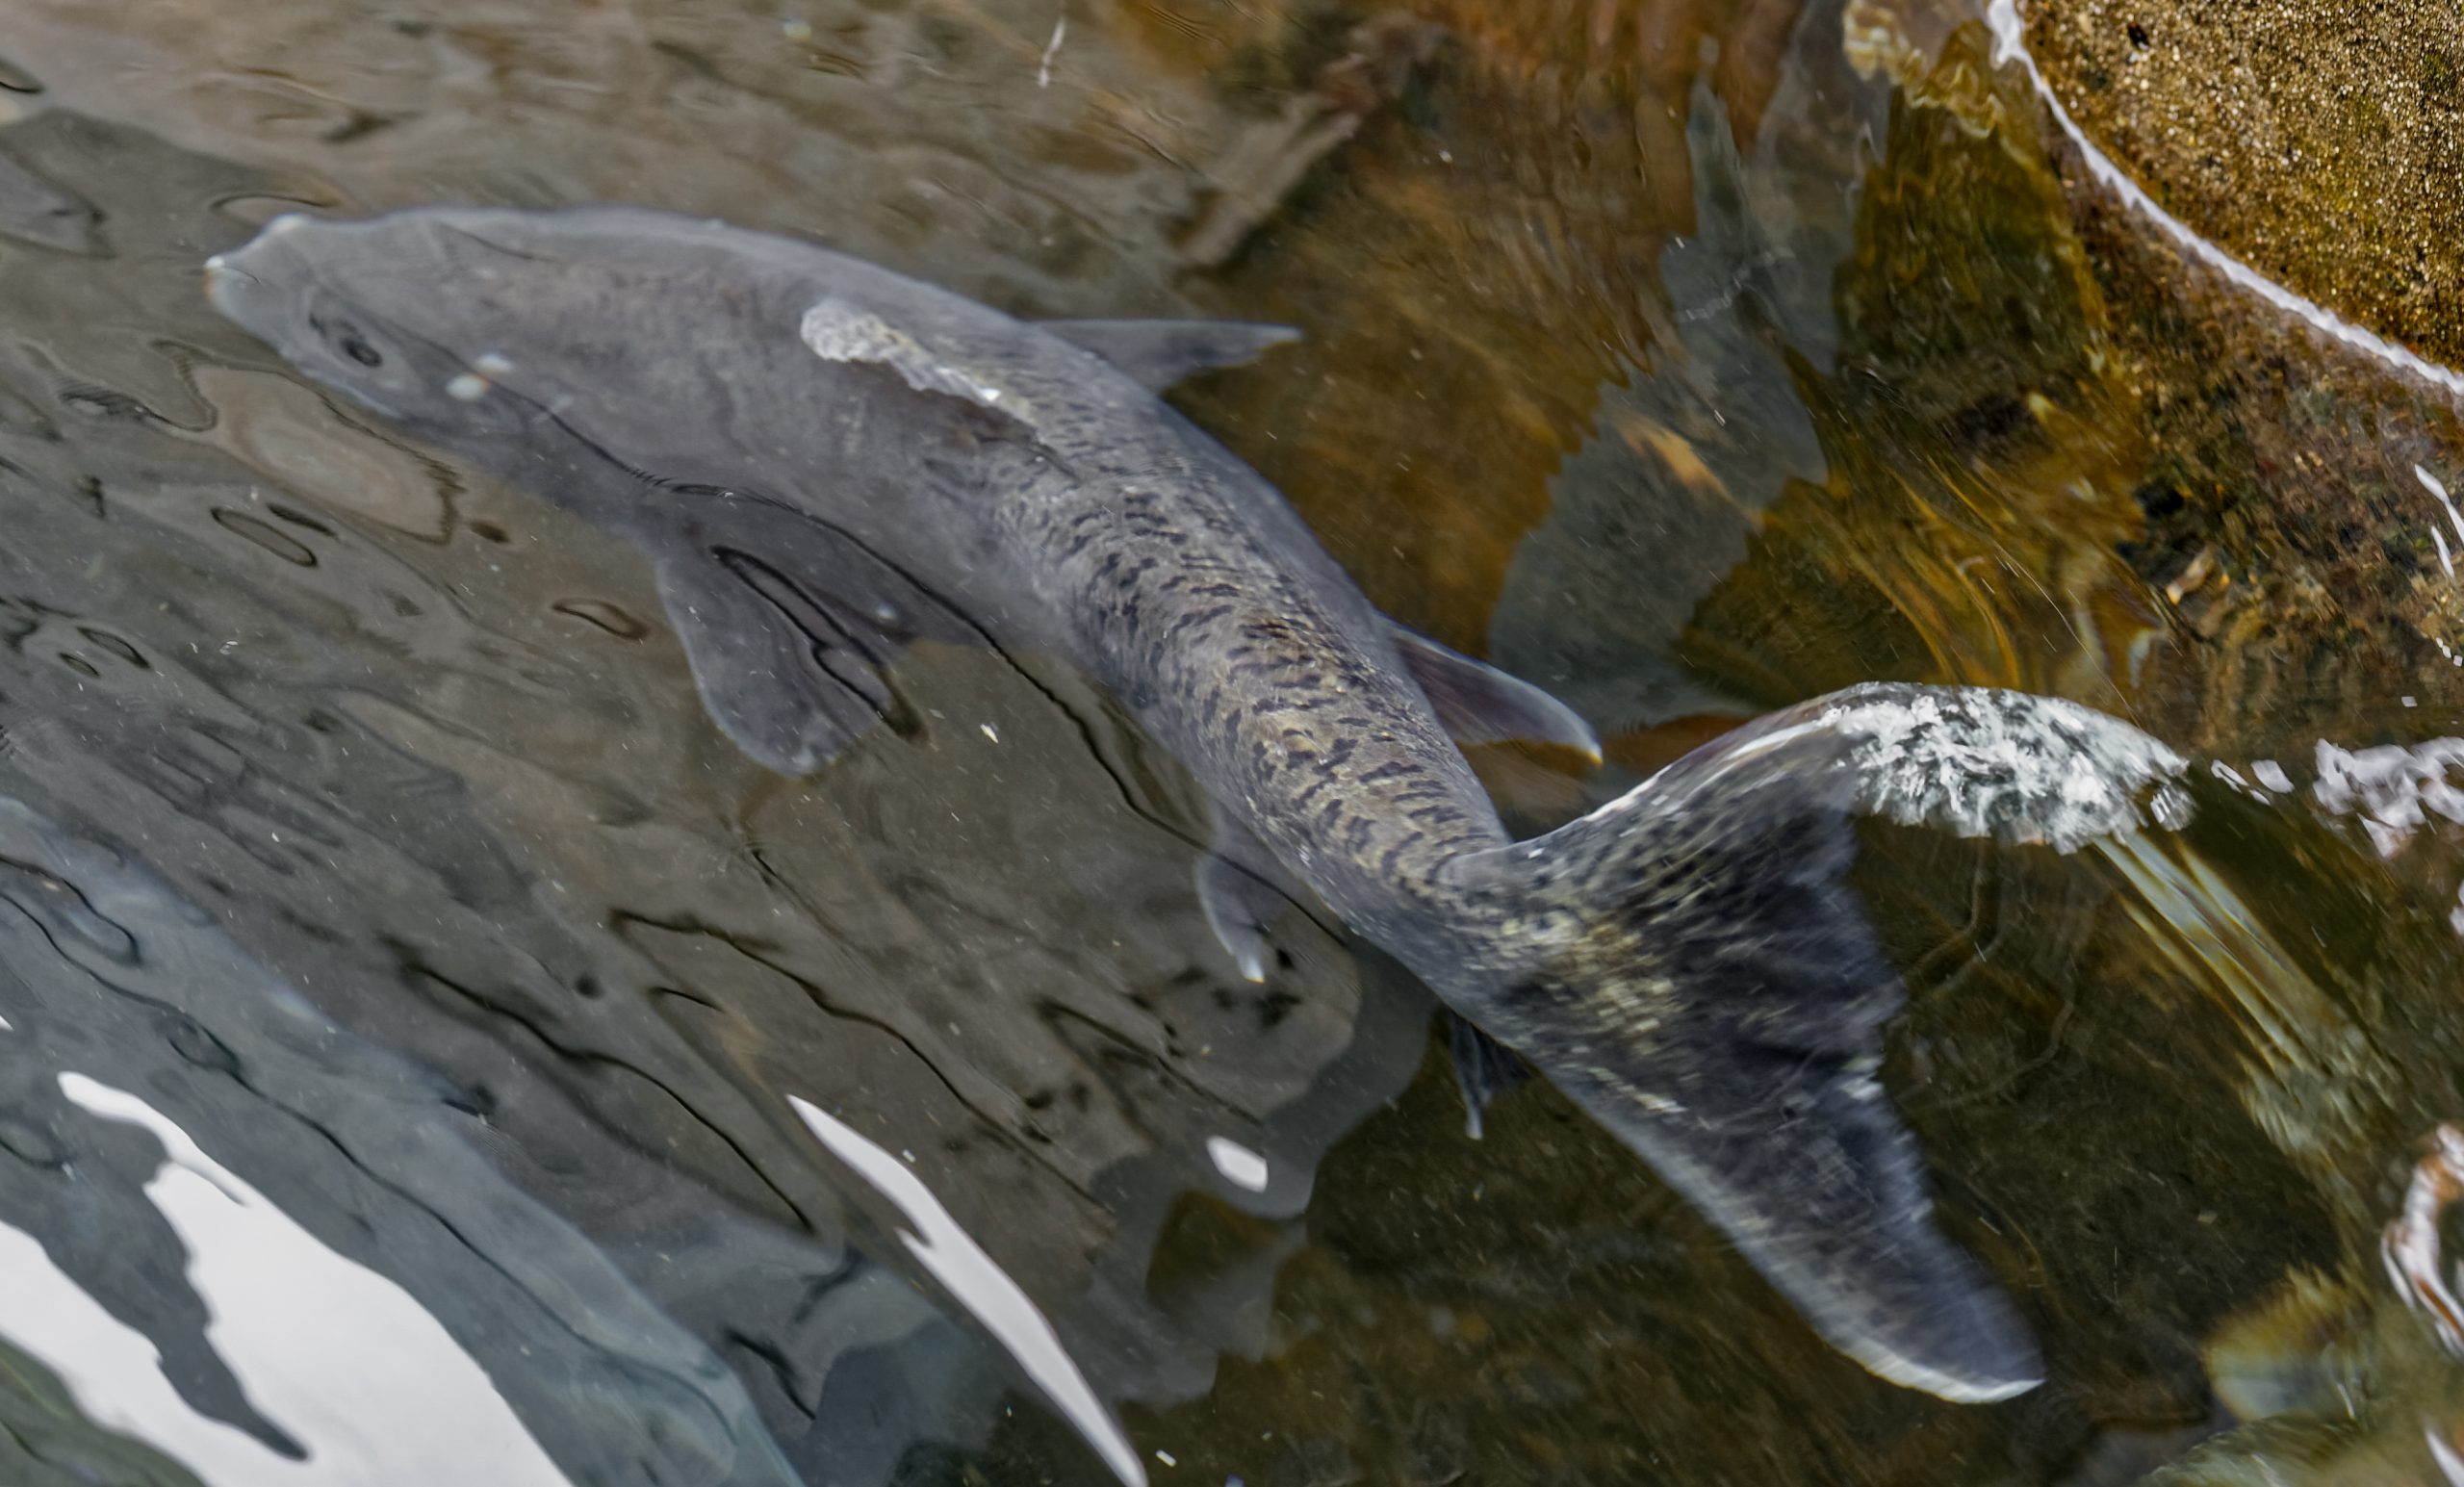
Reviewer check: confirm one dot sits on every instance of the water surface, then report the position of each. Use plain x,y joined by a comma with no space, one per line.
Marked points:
407,987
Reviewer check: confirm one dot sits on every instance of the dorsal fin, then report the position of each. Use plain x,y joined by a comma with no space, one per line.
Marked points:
1158,353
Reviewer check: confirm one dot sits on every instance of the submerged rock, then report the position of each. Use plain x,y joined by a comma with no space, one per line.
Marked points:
2321,143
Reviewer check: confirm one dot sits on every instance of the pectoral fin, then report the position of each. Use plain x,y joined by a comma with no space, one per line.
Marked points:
1479,704
790,629
1159,353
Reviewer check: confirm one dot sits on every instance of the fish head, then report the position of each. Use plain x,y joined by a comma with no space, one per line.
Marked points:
451,321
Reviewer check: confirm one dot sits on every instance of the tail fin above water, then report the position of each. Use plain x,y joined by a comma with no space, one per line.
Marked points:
1708,989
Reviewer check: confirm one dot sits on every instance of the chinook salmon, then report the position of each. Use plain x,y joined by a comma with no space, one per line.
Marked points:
827,461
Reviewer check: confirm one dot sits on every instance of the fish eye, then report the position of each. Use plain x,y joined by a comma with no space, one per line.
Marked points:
356,345
348,338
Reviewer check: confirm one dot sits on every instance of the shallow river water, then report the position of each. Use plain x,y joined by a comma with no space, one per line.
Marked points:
433,1053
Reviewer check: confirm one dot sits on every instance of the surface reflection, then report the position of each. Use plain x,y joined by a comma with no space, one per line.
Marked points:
959,1263
390,1300
356,1380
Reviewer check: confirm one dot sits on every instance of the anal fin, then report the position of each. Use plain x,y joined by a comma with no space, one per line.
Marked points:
790,628
1479,704
1484,1068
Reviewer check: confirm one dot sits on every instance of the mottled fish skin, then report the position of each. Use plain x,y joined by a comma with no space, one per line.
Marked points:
1684,962
1192,591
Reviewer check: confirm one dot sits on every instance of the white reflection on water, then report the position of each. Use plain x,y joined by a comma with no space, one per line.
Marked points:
338,1356
1239,1165
958,1262
2393,789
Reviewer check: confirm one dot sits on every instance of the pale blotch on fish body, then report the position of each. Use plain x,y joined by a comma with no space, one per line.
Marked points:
475,384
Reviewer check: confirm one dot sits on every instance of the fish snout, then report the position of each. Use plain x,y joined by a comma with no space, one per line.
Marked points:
245,282
227,286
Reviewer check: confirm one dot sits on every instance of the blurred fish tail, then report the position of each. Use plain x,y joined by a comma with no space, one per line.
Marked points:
1688,964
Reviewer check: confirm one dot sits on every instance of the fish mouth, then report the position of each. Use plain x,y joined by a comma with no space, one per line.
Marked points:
238,289
228,287
242,284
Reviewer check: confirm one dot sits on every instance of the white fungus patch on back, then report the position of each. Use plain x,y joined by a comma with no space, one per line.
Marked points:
1982,761
841,332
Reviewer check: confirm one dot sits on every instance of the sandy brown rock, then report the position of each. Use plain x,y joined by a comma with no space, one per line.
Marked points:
2321,143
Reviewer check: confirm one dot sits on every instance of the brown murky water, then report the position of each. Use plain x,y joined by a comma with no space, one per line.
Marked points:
1688,357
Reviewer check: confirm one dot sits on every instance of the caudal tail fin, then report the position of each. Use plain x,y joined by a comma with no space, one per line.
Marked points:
1709,990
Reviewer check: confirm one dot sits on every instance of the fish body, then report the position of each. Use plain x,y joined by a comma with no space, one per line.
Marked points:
827,460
